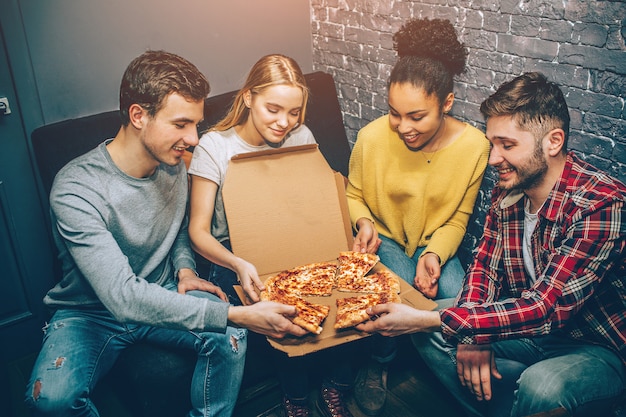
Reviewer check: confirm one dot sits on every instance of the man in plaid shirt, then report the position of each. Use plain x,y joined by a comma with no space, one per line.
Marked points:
539,327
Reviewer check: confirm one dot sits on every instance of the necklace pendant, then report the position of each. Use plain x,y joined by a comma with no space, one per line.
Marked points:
428,160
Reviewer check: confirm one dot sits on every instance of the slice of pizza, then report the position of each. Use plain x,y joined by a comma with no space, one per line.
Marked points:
273,282
352,310
315,279
309,315
379,282
352,265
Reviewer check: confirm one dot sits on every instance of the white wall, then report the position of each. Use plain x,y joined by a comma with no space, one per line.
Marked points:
78,49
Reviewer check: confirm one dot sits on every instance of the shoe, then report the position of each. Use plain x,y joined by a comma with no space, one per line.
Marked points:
331,402
294,410
370,389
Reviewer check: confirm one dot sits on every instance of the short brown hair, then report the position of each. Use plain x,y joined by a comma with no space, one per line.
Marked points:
153,76
536,104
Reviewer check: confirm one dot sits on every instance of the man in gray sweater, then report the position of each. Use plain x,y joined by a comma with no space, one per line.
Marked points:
120,226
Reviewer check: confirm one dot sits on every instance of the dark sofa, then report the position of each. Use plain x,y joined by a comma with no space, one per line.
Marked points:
148,380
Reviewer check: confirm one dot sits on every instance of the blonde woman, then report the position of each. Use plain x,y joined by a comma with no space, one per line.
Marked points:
267,112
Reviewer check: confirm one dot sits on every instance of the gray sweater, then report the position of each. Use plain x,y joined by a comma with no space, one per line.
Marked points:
121,239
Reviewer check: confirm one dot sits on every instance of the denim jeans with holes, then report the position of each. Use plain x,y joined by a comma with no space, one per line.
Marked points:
81,346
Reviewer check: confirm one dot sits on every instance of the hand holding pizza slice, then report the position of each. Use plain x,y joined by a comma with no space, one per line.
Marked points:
353,310
348,274
309,316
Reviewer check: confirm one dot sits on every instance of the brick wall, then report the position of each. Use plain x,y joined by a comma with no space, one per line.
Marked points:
577,43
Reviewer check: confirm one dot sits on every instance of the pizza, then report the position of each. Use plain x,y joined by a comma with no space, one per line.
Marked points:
315,279
353,310
309,316
379,282
355,265
288,287
348,274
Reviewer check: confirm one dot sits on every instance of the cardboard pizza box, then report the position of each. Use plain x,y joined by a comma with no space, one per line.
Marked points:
286,208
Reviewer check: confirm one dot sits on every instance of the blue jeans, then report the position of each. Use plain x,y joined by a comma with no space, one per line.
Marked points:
539,374
392,255
81,346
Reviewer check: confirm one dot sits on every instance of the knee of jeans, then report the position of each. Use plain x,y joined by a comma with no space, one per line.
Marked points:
235,340
238,339
539,387
51,401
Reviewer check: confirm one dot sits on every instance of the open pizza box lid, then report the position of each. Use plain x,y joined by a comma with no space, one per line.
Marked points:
286,208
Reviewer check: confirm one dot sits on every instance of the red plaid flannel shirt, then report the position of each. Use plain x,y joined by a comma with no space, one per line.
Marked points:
578,249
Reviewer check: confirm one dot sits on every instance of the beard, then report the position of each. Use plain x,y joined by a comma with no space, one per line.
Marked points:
530,173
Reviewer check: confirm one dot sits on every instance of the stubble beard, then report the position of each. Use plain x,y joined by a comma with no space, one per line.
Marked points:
531,173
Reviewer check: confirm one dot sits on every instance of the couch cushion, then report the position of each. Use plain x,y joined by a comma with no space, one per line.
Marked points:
56,144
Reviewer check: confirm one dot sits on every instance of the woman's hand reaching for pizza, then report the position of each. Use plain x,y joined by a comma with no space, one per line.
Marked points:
427,274
248,278
366,239
266,317
395,319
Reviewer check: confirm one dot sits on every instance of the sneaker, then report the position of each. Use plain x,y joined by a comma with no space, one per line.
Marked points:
294,410
370,389
331,402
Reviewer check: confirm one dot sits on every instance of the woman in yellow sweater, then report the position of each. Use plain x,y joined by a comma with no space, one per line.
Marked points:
414,177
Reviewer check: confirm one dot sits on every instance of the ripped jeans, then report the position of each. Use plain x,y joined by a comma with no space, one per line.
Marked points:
80,347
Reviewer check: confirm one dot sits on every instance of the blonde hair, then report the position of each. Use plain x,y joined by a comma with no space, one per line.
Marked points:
271,70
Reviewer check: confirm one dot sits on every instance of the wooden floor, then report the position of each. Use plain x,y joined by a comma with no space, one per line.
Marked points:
413,391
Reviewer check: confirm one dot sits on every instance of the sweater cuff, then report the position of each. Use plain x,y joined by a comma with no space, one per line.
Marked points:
366,218
357,211
216,316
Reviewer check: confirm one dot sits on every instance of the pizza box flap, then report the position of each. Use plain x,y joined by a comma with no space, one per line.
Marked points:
299,346
285,208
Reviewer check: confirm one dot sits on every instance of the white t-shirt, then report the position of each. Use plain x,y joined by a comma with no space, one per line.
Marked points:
212,155
530,222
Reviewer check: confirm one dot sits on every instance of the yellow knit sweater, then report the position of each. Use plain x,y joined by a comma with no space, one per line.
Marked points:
411,201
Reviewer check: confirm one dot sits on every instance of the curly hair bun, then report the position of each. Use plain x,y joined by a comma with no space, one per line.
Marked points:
434,39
